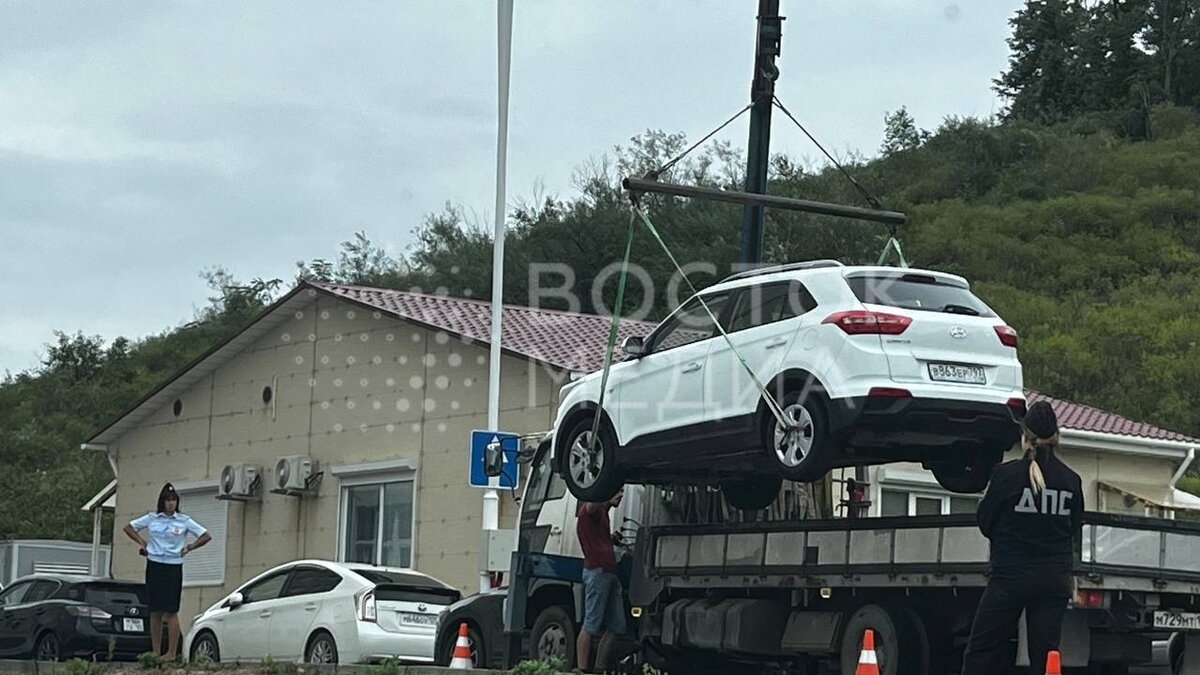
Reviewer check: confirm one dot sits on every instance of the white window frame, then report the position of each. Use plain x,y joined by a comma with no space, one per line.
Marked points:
914,493
375,473
201,490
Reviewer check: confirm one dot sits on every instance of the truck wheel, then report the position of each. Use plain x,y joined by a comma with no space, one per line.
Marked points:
894,654
753,493
915,637
553,636
1175,653
590,471
801,452
971,478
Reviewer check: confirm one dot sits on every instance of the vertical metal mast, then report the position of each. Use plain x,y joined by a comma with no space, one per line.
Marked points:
758,155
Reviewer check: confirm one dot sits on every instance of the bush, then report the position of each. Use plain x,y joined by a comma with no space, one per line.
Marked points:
388,667
80,667
544,667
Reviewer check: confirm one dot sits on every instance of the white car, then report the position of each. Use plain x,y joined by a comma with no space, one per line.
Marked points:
324,612
867,365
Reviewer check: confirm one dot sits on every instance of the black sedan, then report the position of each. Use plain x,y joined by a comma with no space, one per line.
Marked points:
52,618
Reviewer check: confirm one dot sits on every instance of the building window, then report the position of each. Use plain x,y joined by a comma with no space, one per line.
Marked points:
377,523
924,503
894,503
206,565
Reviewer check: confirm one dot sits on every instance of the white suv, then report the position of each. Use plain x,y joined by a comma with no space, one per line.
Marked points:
868,364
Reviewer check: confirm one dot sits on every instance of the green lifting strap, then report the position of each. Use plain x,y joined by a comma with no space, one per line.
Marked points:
893,244
772,404
612,333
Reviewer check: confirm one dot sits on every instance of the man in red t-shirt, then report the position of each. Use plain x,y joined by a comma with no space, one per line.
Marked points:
603,608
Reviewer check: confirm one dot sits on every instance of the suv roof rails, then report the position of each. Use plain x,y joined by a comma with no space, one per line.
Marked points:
787,267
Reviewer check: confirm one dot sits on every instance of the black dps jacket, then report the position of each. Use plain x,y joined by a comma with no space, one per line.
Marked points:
1028,529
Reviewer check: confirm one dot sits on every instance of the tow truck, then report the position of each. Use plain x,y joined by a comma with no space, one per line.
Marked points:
710,589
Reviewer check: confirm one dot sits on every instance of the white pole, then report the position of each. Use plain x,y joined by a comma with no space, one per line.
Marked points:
491,499
97,514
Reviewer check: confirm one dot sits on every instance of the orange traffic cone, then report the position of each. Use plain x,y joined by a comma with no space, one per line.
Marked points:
1053,664
461,660
867,665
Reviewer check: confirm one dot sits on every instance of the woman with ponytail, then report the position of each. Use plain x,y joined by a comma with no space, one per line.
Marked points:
1032,514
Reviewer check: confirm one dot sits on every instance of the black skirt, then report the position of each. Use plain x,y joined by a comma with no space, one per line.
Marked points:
164,583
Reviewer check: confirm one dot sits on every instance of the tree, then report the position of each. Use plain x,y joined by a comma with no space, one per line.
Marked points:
77,357
1043,80
360,262
1172,34
900,133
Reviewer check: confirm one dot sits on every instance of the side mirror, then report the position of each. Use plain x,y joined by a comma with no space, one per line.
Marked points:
236,600
634,345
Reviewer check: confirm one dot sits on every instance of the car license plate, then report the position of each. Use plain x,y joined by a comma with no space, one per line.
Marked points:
1177,620
133,626
949,372
413,619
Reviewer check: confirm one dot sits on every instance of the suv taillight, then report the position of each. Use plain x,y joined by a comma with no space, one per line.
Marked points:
865,322
366,607
1007,335
87,612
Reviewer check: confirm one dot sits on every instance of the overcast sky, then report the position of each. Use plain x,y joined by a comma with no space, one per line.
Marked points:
141,142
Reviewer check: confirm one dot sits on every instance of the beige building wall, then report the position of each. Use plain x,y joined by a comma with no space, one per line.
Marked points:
350,386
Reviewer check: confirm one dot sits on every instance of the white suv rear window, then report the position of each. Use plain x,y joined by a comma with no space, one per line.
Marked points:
919,292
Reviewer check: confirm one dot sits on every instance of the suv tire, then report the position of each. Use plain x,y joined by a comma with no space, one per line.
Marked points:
969,478
810,447
752,493
591,477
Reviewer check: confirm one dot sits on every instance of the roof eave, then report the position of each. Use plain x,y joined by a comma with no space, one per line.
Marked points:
99,438
101,497
1131,445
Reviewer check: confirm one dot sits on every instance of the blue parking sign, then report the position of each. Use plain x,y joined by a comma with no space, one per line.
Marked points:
508,445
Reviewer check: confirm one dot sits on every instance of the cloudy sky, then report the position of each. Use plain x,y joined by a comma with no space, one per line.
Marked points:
144,141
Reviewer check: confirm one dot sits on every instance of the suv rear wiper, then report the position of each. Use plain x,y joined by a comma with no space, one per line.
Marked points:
960,309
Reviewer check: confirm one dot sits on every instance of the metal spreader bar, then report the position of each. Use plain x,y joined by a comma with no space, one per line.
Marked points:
641,185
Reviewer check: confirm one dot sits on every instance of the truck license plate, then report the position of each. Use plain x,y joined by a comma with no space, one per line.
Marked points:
949,372
1177,620
133,626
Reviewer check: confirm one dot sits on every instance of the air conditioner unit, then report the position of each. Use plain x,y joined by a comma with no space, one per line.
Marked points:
239,482
293,475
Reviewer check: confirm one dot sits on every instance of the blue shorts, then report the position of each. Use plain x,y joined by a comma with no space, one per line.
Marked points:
603,606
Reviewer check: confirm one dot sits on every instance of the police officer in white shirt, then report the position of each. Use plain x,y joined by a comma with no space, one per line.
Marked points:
164,549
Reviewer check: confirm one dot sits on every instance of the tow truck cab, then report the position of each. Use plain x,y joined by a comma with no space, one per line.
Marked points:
545,620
